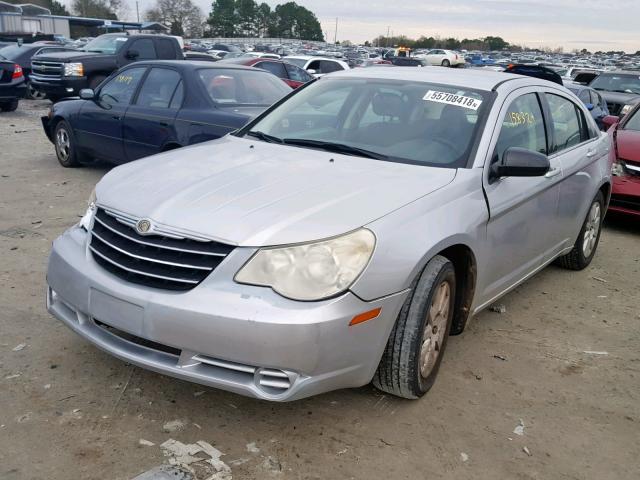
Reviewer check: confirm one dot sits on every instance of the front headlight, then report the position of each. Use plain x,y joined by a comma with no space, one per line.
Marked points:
311,271
626,109
85,221
73,70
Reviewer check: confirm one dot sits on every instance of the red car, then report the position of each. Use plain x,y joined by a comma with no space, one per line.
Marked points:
625,135
291,74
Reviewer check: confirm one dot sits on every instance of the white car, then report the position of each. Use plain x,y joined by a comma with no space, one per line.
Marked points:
261,55
445,58
317,66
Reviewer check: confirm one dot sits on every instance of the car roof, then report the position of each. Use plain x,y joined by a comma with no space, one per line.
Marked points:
465,77
192,64
310,57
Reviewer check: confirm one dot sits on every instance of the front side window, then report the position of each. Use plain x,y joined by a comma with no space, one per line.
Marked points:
242,87
297,74
158,88
402,121
300,62
327,66
566,123
522,127
276,68
120,89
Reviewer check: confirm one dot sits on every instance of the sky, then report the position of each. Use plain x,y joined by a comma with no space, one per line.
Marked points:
571,24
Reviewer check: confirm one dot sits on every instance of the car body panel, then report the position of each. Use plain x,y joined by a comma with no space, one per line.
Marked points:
625,195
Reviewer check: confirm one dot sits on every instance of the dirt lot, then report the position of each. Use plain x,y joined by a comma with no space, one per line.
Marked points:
69,411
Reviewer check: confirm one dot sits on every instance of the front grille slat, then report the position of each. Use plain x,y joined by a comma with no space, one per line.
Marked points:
47,70
152,260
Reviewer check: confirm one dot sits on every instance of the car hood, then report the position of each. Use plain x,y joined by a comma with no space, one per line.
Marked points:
253,193
628,143
67,56
620,98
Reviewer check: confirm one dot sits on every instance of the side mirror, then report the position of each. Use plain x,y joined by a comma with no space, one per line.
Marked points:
311,71
132,54
609,121
520,162
590,106
87,94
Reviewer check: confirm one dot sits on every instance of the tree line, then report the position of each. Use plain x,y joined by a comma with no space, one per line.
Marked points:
486,43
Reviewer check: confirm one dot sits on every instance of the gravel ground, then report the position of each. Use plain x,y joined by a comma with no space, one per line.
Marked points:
70,411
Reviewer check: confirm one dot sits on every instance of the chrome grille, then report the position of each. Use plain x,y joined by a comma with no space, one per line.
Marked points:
46,70
157,261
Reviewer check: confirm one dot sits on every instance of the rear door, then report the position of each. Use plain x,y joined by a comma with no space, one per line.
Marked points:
149,123
523,230
576,147
99,125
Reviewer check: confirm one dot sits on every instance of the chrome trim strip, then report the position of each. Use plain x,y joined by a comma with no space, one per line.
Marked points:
164,262
158,246
181,280
229,366
274,383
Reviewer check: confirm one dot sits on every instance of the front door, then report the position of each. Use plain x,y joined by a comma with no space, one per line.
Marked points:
149,124
99,125
523,227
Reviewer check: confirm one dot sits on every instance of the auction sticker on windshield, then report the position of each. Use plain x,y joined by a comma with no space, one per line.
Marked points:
452,99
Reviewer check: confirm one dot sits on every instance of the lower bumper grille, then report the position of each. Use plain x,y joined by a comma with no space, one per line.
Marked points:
629,202
152,260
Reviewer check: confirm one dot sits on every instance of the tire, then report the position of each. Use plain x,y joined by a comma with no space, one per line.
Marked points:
586,245
95,81
446,63
11,106
403,370
34,94
65,145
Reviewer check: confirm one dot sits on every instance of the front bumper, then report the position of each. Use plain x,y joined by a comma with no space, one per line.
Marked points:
59,87
625,195
239,338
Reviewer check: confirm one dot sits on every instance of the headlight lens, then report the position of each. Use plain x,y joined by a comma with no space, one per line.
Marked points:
73,70
85,221
311,271
626,109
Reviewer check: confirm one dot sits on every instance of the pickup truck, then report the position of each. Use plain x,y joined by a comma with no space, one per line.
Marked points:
64,74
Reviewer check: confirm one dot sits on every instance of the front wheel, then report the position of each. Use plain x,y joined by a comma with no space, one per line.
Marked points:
446,63
585,247
35,94
65,145
11,106
416,345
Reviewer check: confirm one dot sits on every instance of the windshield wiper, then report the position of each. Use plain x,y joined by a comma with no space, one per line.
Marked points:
335,147
265,137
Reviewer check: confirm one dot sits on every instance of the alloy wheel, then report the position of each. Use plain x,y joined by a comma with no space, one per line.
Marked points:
592,229
435,328
63,144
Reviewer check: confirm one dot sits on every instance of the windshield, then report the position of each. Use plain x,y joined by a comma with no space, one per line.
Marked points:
11,52
633,123
105,44
617,83
298,62
402,121
242,87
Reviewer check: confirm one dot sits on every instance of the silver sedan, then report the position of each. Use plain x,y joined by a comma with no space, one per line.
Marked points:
341,237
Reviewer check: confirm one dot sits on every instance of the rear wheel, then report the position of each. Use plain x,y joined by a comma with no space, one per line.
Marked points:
65,145
446,63
585,247
10,106
416,345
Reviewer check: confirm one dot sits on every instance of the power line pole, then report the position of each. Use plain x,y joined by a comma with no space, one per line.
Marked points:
137,11
335,35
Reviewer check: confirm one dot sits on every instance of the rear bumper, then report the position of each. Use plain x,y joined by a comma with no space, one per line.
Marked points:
62,87
13,90
220,333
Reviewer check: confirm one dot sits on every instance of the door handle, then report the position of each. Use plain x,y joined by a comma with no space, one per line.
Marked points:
591,153
553,172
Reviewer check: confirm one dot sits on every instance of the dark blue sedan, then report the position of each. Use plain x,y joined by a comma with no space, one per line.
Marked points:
151,107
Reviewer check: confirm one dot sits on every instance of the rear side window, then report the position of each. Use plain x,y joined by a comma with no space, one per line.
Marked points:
158,88
145,49
567,123
522,126
242,87
166,49
276,68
